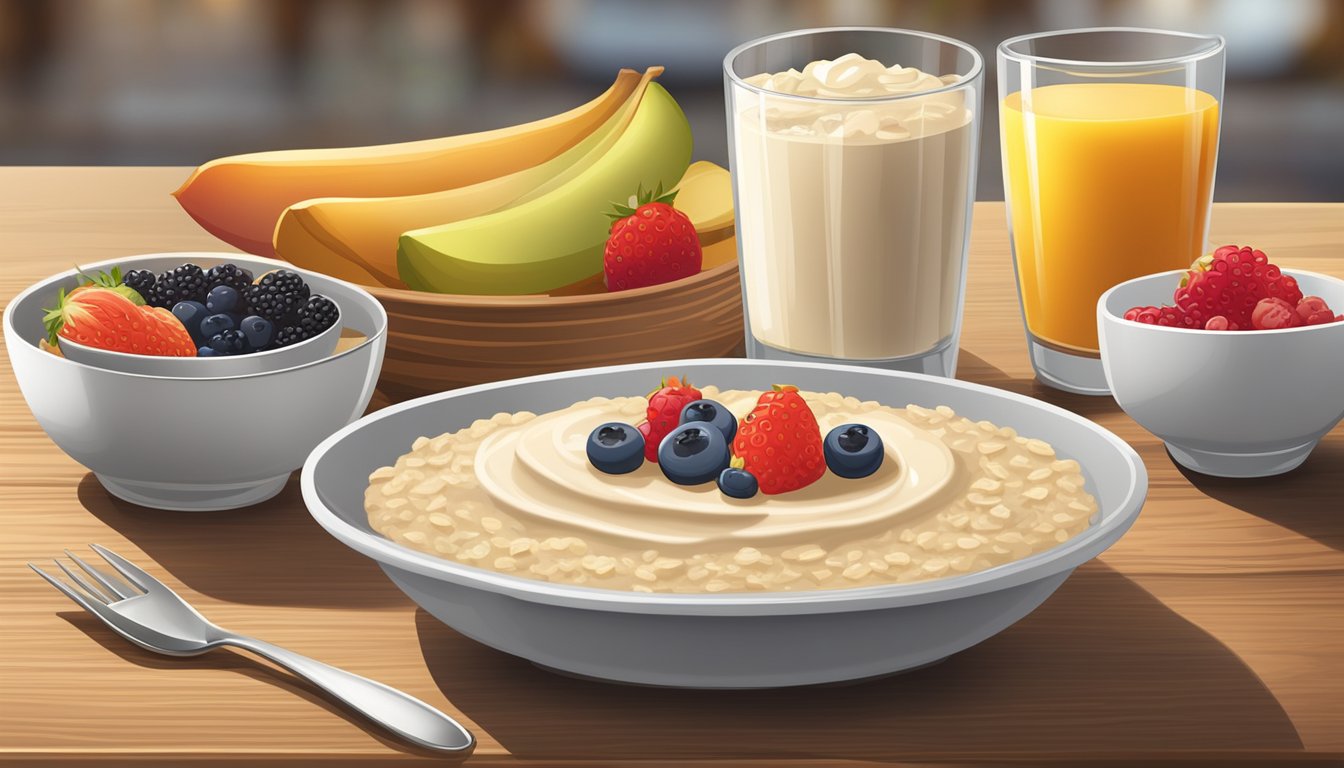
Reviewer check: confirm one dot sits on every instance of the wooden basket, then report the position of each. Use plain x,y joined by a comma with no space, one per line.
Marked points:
444,341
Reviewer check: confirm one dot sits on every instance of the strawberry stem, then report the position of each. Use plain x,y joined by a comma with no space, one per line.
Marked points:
642,197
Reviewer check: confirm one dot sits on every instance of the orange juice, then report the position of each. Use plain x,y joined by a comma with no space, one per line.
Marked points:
1107,182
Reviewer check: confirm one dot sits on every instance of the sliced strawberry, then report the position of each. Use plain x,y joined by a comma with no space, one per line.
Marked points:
106,319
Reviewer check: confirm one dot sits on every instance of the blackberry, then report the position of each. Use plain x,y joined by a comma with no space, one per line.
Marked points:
231,275
184,283
230,342
289,336
276,295
318,314
141,281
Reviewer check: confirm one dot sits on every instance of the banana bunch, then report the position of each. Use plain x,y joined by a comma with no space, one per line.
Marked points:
517,210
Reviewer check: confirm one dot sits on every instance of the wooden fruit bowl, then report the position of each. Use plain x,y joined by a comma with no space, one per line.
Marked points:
441,341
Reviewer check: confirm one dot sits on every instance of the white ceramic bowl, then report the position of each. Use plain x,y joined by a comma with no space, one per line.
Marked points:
1226,403
308,351
745,640
194,443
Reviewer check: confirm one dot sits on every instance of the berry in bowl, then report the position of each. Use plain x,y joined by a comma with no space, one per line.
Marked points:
1240,373
190,442
192,321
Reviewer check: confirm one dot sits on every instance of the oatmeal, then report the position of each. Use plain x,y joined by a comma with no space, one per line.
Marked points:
515,493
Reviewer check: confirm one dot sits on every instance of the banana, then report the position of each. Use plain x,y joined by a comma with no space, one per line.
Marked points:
355,238
705,195
557,238
239,199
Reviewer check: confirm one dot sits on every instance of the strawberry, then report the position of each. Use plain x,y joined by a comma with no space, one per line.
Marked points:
664,412
101,317
779,442
650,243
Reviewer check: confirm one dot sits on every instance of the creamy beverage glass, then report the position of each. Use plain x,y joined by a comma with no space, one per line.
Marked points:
1109,139
853,153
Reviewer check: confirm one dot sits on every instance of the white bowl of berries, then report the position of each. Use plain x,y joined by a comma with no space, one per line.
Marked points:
1240,375
205,438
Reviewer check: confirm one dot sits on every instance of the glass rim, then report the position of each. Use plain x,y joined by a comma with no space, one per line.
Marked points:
1214,45
963,81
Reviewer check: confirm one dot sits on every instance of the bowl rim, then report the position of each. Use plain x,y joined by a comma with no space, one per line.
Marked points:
1105,312
531,300
1064,556
46,283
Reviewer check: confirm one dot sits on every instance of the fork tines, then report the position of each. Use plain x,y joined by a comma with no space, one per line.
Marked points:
95,584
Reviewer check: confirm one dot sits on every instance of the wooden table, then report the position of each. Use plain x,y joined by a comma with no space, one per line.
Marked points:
1213,633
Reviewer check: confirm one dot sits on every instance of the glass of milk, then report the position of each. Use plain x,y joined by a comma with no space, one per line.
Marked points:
853,153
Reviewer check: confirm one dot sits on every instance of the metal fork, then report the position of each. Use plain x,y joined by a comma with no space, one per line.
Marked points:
145,611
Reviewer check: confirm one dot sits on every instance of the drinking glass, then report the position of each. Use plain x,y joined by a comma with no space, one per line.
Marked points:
853,201
1109,140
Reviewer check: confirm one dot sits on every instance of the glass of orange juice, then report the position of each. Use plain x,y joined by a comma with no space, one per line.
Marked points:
1109,141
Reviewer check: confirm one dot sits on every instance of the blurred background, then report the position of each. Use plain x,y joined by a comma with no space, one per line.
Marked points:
177,82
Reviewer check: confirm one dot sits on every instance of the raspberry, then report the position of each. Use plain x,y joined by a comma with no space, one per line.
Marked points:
1173,317
1147,315
1273,312
1220,323
1234,280
1312,310
664,412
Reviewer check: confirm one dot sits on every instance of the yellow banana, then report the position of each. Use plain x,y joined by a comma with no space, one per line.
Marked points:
356,237
239,199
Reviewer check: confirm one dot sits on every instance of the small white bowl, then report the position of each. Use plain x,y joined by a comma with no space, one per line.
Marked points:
1226,403
308,351
725,640
176,442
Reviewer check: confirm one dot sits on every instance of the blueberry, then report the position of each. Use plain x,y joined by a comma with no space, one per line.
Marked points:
205,352
215,324
258,330
230,342
616,448
224,298
191,313
738,483
692,454
853,450
714,413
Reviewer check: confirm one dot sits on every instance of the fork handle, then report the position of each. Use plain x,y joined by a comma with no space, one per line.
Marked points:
401,713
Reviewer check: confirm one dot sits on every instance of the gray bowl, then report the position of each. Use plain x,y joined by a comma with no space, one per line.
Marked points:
747,640
194,443
1226,403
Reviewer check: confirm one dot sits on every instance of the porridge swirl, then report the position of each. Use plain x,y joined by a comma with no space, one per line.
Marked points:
515,493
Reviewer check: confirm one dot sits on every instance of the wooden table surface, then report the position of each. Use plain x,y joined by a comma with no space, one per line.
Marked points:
1213,633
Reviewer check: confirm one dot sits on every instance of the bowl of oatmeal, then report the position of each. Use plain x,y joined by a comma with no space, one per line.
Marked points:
481,506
